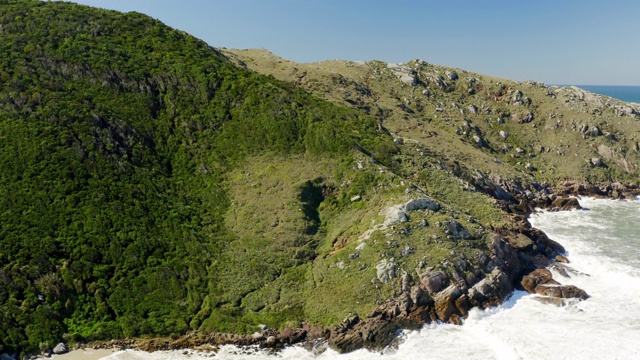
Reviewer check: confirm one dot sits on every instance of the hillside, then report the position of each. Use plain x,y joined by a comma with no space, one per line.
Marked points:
152,185
478,120
120,143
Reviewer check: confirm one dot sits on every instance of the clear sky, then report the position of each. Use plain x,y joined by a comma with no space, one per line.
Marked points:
552,41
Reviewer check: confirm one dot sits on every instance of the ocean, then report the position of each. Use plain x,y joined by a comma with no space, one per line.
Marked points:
624,93
603,245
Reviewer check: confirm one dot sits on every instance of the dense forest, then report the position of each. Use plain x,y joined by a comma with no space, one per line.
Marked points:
116,133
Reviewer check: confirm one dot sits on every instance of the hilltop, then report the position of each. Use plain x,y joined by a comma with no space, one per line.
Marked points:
155,186
491,124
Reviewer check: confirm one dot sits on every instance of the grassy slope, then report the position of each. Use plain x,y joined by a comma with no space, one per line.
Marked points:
437,121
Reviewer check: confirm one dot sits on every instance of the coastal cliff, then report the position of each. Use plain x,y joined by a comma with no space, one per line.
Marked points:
169,194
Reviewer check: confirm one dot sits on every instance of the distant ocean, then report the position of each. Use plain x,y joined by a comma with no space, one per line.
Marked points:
624,93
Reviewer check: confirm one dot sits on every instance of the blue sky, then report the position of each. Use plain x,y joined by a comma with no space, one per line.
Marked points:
556,42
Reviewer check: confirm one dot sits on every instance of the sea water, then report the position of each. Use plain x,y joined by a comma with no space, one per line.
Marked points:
603,245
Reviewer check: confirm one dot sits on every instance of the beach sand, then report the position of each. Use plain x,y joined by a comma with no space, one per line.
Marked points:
85,354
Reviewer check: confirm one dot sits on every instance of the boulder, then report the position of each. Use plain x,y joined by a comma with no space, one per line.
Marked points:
61,348
561,291
421,204
520,242
536,278
445,302
433,282
393,215
566,203
292,336
504,134
456,230
386,270
596,162
472,109
452,75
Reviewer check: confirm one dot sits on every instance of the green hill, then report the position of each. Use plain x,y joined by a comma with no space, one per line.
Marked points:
119,140
151,185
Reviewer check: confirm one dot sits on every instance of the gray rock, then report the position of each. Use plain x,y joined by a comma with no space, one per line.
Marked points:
421,204
452,75
596,162
619,160
394,215
356,198
426,92
456,230
504,134
528,117
386,270
433,282
61,348
595,131
399,141
529,167
478,140
472,109
404,73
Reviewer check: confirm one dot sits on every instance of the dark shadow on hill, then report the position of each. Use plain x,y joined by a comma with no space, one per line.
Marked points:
311,196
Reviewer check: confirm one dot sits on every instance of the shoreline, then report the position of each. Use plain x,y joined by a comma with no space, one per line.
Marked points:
435,296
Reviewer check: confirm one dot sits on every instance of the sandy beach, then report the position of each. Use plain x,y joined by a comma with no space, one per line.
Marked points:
85,354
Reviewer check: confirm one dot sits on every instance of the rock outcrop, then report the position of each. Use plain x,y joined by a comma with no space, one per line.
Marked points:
541,282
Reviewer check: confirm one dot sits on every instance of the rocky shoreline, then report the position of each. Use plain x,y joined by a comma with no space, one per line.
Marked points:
516,258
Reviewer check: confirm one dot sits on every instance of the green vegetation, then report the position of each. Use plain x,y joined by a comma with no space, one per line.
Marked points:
150,186
116,136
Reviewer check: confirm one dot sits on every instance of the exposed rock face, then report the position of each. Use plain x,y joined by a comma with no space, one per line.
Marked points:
612,156
562,291
433,282
566,204
386,270
537,277
456,230
393,215
422,204
404,73
541,282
